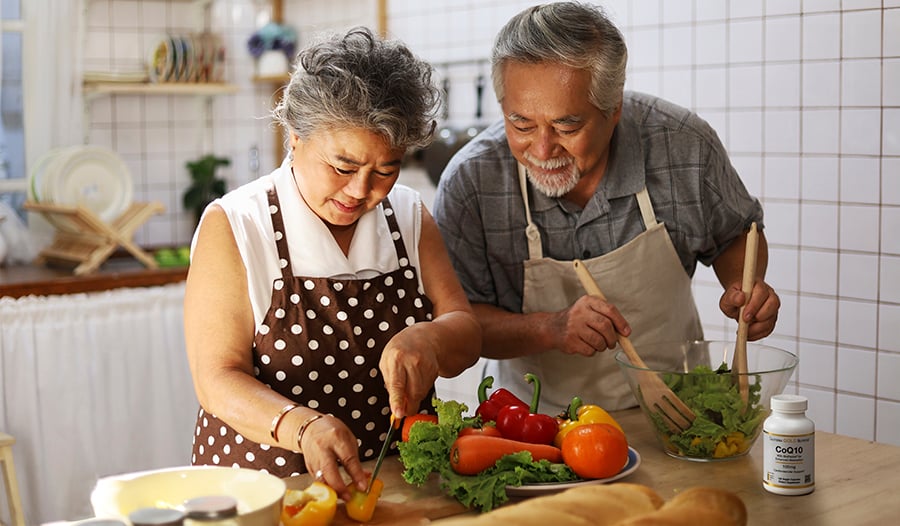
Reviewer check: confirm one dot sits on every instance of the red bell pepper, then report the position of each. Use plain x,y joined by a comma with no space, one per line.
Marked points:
488,408
524,423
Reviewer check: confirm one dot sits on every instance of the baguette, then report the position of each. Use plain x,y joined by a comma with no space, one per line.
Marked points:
696,506
618,504
591,505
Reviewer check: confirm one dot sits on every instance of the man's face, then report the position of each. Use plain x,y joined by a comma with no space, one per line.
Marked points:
551,126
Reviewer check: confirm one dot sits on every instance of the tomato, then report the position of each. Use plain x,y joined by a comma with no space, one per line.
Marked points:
595,451
490,431
412,419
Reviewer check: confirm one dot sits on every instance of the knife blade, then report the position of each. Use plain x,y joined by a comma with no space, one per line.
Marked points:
384,449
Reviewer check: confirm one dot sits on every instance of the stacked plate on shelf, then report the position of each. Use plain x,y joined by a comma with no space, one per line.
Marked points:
92,177
188,58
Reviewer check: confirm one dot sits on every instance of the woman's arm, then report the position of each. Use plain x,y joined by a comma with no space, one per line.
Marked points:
447,345
219,331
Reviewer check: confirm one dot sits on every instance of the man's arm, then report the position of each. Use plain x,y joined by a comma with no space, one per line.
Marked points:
589,326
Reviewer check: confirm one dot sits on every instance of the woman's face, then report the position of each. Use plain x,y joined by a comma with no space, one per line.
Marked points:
344,173
552,127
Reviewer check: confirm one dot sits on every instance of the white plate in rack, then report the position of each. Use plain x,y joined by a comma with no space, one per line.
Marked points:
92,177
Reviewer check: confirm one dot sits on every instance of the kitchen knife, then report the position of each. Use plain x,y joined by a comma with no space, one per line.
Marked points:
395,423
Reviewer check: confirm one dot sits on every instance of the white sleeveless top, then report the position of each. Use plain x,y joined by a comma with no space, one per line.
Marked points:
313,250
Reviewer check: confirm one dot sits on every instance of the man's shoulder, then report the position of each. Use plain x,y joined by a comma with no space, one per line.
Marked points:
483,156
651,113
488,146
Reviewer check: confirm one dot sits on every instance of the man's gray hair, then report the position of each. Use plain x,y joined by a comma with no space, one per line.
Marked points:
574,34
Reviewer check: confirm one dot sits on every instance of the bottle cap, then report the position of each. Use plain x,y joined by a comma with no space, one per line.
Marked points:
211,507
788,402
156,517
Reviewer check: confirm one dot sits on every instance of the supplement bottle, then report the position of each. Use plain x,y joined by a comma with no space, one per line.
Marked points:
789,455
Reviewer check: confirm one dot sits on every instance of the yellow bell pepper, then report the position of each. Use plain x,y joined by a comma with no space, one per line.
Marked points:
578,415
362,505
313,506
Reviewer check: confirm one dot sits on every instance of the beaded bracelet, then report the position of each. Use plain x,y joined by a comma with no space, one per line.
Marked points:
303,427
273,431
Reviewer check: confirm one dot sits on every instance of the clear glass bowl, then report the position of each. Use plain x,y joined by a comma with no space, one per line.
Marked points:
722,429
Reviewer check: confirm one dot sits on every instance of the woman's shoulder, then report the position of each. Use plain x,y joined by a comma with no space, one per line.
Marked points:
403,197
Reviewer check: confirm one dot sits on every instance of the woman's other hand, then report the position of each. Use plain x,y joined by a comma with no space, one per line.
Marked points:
327,444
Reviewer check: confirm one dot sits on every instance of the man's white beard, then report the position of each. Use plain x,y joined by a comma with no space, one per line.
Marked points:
556,184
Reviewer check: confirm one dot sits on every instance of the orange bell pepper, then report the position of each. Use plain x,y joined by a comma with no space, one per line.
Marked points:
362,505
313,506
579,415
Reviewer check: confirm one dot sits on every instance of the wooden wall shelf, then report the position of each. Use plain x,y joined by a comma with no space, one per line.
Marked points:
96,89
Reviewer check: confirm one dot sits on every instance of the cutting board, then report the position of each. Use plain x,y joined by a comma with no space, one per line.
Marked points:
401,503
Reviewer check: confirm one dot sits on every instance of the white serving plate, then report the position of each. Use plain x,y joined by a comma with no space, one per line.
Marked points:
531,490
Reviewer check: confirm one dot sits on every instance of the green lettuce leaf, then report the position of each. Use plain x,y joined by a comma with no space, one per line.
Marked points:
716,401
428,451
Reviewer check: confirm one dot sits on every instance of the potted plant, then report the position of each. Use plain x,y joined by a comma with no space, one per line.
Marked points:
205,186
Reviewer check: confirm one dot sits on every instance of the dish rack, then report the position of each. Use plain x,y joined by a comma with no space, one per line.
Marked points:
83,241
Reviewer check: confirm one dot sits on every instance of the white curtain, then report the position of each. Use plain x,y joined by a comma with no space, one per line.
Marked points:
52,58
93,385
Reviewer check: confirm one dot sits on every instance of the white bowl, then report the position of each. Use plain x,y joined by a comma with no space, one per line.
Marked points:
259,495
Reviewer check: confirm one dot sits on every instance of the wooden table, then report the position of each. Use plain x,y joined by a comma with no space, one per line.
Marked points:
857,483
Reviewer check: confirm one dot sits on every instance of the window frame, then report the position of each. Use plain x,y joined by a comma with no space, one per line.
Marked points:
18,184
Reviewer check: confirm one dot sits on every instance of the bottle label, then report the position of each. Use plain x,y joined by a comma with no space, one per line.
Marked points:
788,460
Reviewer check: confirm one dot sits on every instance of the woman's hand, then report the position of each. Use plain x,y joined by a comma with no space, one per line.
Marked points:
327,444
410,366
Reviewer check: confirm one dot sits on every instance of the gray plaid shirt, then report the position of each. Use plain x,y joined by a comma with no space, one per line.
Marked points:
694,189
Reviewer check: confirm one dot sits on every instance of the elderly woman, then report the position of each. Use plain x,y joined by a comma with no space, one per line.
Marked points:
320,298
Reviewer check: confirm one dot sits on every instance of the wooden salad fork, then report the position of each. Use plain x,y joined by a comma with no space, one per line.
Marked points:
739,359
656,394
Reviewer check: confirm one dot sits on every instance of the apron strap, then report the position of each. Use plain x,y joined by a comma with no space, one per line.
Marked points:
284,258
399,246
531,232
643,199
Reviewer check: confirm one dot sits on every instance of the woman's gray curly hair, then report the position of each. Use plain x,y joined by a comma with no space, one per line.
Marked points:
574,34
359,80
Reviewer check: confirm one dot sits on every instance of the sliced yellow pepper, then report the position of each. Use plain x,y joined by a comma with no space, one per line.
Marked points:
362,505
579,415
313,506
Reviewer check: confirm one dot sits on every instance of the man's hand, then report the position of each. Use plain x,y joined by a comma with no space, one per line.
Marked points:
589,326
761,312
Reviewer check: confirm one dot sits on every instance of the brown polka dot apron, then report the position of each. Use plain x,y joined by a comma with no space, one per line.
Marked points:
319,345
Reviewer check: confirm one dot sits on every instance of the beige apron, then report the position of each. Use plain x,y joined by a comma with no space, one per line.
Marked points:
644,279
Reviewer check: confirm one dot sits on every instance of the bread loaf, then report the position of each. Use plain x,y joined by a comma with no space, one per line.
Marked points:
697,506
619,504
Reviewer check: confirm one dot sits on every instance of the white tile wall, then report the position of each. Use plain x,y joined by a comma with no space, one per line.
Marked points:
804,93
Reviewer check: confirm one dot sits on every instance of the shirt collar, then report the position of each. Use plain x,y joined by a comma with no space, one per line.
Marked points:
372,248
